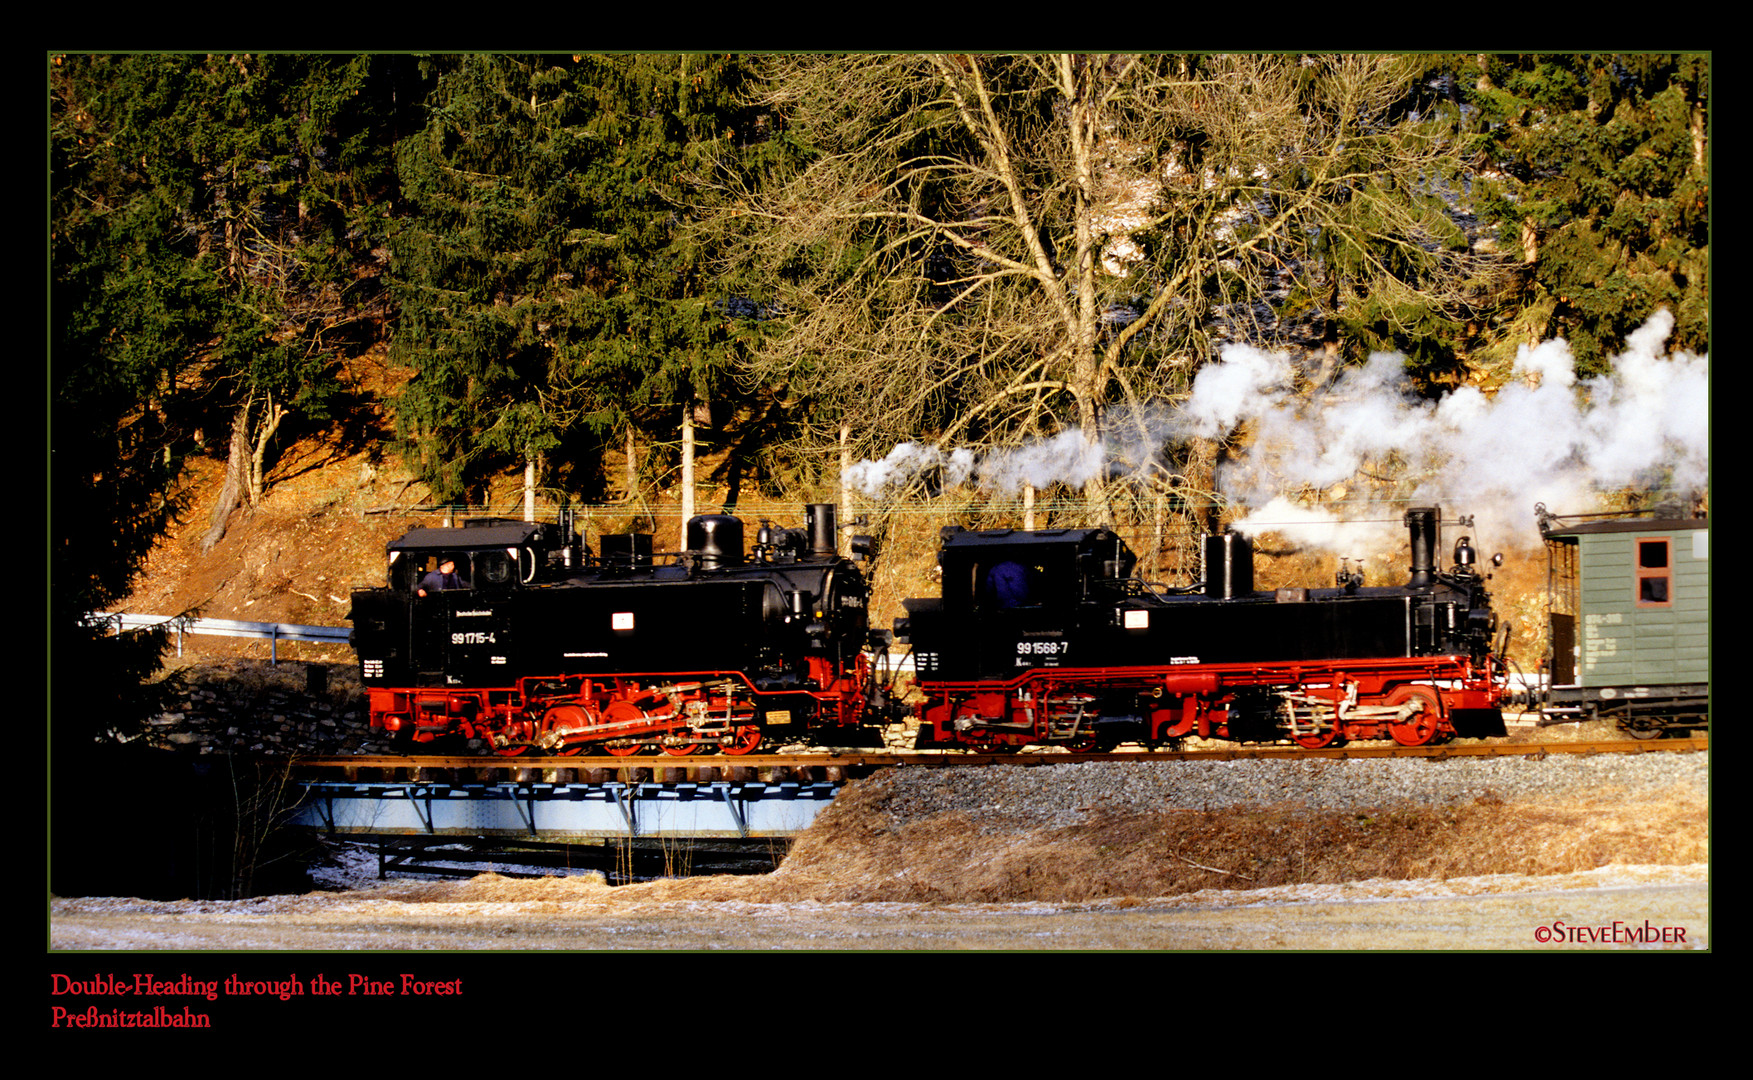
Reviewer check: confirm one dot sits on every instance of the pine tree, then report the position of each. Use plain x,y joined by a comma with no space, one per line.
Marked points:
547,301
210,216
254,182
1595,171
127,313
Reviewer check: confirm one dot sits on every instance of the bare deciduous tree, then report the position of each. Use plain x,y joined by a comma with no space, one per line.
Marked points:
989,248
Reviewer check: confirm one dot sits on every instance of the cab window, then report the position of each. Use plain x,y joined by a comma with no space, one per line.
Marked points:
493,569
1019,582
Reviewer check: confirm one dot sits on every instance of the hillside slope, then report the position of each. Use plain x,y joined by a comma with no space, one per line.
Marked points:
294,558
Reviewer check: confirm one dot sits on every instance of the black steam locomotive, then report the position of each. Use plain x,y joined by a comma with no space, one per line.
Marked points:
530,643
1048,638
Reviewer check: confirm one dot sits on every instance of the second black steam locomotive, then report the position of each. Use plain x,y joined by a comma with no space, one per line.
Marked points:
1048,638
1037,638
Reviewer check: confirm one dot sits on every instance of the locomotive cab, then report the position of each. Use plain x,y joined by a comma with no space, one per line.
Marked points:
1008,572
431,627
1011,598
491,555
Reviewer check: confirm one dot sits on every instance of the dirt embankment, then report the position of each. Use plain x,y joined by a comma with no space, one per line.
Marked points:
295,558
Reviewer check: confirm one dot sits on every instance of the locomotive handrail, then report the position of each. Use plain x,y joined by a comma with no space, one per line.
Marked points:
184,624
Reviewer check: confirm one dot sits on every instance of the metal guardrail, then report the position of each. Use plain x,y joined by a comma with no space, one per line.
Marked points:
275,633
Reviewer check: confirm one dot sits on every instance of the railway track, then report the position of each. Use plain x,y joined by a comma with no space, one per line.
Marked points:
837,765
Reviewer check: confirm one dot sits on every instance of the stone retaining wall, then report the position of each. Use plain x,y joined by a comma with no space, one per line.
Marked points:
253,706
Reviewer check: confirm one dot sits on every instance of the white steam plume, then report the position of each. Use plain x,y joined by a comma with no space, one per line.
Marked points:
1546,437
1067,457
905,463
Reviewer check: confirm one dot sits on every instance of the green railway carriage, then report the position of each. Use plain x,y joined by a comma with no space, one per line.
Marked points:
1629,601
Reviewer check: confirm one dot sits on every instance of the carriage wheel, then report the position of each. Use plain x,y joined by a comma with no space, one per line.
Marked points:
1419,728
682,749
620,748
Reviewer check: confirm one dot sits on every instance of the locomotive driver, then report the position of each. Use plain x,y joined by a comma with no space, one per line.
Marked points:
441,579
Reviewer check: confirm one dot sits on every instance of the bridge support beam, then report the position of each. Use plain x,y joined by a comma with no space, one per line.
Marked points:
723,809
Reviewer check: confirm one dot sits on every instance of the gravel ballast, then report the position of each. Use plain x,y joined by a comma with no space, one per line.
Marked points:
1049,796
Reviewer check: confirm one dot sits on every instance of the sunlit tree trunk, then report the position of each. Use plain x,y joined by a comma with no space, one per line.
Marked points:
231,492
687,463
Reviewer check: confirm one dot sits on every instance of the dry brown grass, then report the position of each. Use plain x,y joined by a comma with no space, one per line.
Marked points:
952,858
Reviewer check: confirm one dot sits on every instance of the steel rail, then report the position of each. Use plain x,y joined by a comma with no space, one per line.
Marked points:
831,759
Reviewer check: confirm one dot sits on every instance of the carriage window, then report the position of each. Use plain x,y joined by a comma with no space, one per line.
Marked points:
1655,575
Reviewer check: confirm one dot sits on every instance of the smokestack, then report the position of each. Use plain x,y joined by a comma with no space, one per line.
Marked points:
1424,523
1229,566
824,530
